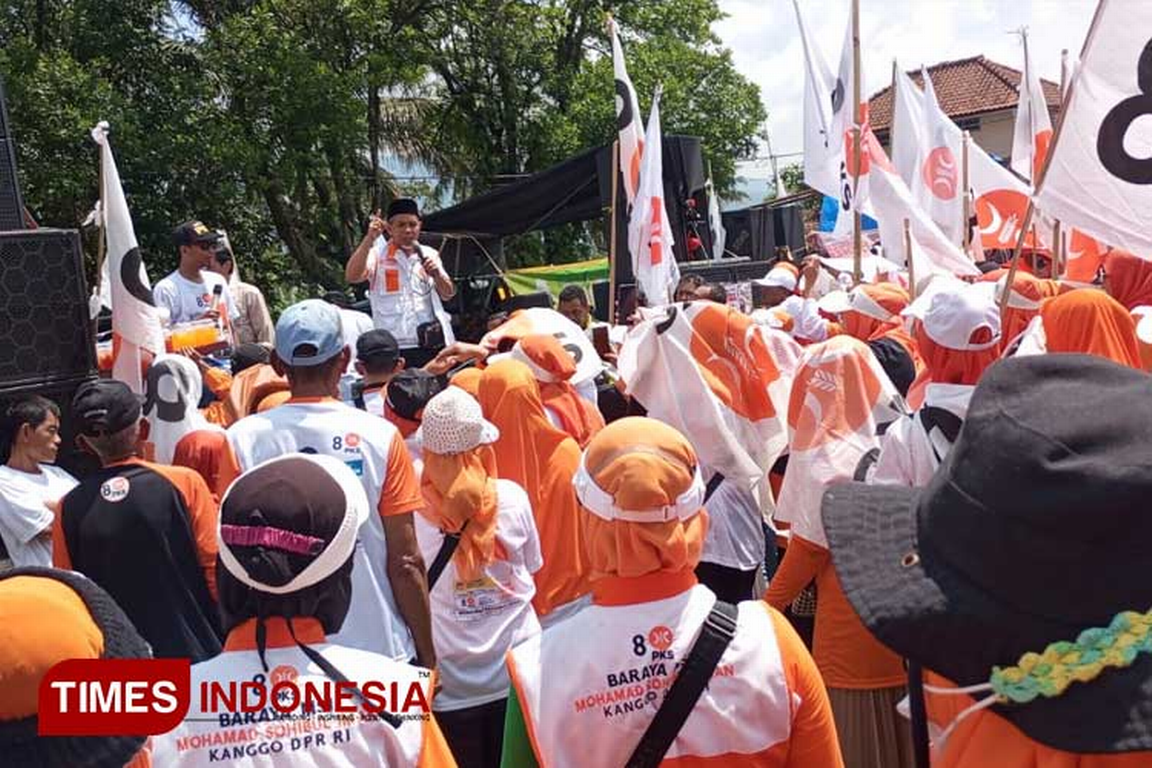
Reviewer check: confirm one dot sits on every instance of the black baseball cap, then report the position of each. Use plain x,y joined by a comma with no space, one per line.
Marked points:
105,406
410,390
194,233
377,344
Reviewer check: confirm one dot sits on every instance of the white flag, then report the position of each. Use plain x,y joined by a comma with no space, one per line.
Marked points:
940,183
1000,199
1033,129
1099,178
649,233
714,221
714,374
909,127
627,119
135,319
823,149
892,203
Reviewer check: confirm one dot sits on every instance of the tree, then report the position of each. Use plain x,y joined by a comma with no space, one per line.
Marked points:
279,120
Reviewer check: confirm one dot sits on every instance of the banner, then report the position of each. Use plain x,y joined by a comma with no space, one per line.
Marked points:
708,371
1099,177
650,238
554,277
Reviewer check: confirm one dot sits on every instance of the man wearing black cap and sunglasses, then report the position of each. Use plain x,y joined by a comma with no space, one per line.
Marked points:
144,532
406,282
193,291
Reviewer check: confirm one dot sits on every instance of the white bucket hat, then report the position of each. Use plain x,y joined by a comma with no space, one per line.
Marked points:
453,423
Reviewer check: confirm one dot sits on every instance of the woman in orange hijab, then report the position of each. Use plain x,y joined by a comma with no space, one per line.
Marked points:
542,460
481,602
875,310
841,401
553,367
1091,322
578,697
468,380
1128,279
1023,304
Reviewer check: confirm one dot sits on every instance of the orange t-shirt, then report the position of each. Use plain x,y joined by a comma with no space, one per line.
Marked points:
208,452
846,653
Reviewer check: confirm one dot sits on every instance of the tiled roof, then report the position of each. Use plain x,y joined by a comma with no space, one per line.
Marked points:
964,87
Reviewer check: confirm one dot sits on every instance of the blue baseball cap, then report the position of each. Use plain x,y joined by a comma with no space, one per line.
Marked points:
309,333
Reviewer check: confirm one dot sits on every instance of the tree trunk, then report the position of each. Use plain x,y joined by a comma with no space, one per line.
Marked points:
287,222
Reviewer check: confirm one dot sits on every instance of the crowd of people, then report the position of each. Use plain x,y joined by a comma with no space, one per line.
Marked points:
940,554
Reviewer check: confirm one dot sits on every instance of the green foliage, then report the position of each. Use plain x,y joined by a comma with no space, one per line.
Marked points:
279,120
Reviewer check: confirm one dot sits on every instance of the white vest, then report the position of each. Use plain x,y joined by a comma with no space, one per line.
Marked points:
361,441
589,686
260,741
400,306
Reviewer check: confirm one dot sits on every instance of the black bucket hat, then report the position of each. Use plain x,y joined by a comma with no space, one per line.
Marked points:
20,745
1036,527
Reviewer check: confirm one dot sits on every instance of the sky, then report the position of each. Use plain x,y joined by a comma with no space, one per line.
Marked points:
765,45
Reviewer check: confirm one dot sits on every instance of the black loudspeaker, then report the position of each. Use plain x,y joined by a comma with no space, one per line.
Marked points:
11,202
61,392
45,332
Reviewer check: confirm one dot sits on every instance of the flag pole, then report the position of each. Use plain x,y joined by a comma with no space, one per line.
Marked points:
857,244
101,233
965,188
612,236
908,259
1065,103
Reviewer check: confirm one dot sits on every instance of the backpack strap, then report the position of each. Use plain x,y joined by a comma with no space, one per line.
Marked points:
717,632
443,555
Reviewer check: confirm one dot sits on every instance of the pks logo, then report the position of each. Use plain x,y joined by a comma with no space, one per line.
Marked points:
114,489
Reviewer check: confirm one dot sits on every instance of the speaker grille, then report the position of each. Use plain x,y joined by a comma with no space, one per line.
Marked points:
44,327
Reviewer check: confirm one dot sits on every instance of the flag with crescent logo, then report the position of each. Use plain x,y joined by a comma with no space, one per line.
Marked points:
650,238
892,203
839,405
710,371
1099,177
627,119
135,319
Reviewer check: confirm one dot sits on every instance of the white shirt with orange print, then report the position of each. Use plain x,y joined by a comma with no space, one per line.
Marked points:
186,300
374,450
475,623
209,737
608,669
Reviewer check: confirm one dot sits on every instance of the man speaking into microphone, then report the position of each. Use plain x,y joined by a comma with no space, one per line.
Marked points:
406,282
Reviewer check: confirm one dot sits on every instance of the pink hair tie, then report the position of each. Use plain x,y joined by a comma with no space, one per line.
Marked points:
275,538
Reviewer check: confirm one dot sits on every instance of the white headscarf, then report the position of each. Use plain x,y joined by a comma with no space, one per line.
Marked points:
172,395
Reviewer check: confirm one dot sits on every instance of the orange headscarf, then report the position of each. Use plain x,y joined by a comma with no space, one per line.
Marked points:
1128,279
889,298
1091,322
543,460
642,464
461,488
553,367
955,366
468,380
252,387
1023,305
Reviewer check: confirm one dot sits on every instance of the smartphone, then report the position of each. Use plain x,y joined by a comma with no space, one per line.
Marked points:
600,340
627,299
